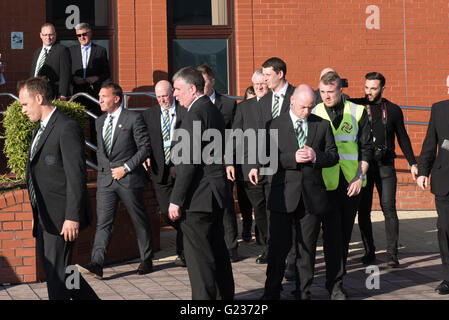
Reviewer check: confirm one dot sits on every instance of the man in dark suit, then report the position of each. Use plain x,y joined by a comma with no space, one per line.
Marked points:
52,61
56,180
227,107
245,118
123,145
90,66
270,106
161,121
298,197
434,160
200,190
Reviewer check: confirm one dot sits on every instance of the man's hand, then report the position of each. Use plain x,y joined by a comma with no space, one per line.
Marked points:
63,98
92,79
174,212
70,230
118,173
355,186
146,164
253,176
422,182
78,80
230,172
414,172
307,154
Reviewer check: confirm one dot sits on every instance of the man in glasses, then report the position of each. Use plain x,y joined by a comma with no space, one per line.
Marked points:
52,61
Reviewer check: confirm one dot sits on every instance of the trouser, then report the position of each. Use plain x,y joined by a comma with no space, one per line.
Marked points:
305,227
337,230
107,202
163,191
442,206
258,195
208,263
246,209
230,222
384,177
56,255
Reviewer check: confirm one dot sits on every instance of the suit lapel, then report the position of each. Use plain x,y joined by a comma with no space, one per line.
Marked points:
157,123
121,120
46,133
286,103
311,131
100,132
266,107
91,56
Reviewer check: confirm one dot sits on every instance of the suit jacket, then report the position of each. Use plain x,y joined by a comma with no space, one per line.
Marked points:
437,138
98,65
293,180
152,118
227,108
130,145
56,68
196,184
58,172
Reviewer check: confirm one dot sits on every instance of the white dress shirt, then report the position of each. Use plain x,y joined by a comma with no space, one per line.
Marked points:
281,95
43,124
172,117
39,58
85,55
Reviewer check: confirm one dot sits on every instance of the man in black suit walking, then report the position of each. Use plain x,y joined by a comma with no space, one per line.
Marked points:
52,61
227,107
298,197
123,145
270,106
434,160
161,121
56,180
200,190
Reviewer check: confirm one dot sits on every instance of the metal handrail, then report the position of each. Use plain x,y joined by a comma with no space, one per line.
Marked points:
85,95
127,94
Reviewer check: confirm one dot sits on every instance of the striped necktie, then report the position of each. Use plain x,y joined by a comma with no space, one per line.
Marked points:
41,62
31,190
300,133
166,136
36,141
275,109
108,136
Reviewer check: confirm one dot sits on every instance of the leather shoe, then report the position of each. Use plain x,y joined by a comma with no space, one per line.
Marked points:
443,287
262,259
290,274
234,256
246,236
145,267
338,293
392,261
180,261
369,258
92,268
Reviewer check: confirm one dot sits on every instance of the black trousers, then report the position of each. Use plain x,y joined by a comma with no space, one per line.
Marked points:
56,255
207,258
305,227
230,222
337,229
246,209
442,206
258,195
384,177
163,191
107,202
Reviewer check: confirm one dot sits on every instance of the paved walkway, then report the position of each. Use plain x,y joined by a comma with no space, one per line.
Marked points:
419,274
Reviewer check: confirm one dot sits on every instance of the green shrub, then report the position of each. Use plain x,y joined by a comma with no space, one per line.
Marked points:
19,129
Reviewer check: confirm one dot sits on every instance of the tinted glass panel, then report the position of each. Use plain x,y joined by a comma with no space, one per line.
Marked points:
68,13
192,12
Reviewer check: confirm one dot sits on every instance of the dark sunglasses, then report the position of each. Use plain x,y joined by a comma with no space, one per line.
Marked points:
82,34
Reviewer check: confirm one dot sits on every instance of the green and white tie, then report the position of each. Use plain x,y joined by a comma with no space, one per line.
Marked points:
31,191
108,136
166,136
300,133
41,62
275,109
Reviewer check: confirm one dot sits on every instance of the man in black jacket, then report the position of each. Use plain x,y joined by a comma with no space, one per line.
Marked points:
387,122
52,61
161,121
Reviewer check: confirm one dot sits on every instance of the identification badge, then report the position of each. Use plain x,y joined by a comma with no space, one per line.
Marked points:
167,144
445,144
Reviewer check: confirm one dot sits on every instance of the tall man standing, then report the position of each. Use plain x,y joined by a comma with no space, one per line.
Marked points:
226,106
161,121
123,145
298,197
270,106
52,61
200,193
344,181
56,180
434,160
386,121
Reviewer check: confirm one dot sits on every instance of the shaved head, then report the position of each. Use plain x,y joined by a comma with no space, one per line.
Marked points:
302,101
326,70
164,94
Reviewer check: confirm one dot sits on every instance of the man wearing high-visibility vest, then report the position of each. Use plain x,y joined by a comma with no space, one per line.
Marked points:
344,181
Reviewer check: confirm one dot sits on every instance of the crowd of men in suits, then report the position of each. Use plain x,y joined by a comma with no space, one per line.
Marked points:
324,152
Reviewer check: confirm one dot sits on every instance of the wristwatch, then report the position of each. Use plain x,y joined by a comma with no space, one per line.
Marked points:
362,176
125,168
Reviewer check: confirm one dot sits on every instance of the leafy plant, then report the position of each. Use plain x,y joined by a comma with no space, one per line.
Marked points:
19,129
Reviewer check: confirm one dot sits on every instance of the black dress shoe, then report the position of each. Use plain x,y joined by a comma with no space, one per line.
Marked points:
338,293
234,256
290,274
392,261
262,259
145,267
92,268
180,261
246,236
369,258
443,287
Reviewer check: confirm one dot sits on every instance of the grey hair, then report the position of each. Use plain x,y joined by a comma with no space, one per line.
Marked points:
258,72
191,76
82,26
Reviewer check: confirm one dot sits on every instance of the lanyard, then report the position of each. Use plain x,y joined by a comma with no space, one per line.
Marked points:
168,127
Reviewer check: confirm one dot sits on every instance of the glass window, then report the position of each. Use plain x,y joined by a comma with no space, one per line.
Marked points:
200,12
194,52
68,13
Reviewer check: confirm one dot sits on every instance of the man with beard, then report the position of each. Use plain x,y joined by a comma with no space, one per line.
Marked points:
387,122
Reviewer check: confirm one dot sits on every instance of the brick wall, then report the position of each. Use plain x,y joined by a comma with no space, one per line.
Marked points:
18,256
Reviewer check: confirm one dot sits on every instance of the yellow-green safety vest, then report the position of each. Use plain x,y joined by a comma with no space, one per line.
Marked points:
346,140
